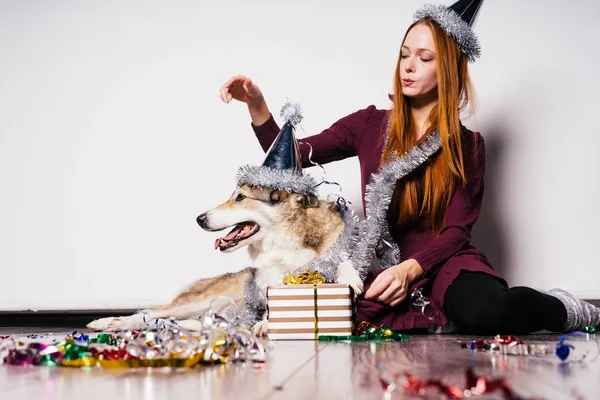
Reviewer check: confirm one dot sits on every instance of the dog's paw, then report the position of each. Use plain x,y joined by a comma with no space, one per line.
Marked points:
347,275
261,328
117,323
100,324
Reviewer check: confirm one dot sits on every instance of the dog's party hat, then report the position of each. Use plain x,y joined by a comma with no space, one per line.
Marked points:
284,152
282,167
456,21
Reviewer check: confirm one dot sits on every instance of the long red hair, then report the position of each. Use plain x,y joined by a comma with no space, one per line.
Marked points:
446,168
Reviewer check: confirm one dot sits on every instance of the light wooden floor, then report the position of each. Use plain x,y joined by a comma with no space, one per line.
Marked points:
310,370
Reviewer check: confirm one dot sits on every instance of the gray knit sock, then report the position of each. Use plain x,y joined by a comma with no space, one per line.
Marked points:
579,313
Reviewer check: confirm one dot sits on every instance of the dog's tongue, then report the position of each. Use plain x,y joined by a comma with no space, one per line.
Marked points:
234,232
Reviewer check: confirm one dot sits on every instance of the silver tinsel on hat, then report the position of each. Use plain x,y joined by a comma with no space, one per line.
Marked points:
282,179
454,26
291,112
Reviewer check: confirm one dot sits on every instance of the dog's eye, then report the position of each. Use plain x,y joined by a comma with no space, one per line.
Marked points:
240,197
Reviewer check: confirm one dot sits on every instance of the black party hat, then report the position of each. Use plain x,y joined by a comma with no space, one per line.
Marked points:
467,9
456,21
284,152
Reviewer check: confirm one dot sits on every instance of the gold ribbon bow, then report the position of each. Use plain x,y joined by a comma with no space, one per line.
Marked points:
308,277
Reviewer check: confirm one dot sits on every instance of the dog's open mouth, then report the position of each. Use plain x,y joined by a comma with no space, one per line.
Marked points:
238,233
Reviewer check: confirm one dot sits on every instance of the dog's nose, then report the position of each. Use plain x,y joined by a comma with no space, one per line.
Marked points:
201,220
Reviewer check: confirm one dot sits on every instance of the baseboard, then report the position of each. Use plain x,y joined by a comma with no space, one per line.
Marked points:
57,318
77,318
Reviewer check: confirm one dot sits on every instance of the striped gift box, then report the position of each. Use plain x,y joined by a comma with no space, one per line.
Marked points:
309,311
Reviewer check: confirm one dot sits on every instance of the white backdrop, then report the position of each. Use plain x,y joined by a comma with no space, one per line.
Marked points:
113,139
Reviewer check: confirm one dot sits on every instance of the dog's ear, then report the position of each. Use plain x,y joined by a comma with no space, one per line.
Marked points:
277,196
309,200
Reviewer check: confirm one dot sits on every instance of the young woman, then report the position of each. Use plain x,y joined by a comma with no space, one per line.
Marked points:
433,208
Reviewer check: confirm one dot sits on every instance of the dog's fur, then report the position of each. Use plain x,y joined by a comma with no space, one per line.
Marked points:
293,229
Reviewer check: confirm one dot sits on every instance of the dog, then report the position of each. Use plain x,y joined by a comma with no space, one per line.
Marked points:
283,233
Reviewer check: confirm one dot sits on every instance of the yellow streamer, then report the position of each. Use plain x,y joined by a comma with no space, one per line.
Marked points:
151,363
80,362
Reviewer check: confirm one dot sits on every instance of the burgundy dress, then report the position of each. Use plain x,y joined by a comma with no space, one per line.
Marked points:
443,257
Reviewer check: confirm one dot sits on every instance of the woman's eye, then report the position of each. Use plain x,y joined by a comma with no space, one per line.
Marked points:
240,197
427,59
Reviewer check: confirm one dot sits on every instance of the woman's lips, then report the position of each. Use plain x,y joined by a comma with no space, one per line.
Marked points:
407,82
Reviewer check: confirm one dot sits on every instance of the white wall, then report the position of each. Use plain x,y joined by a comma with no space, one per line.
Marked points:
113,139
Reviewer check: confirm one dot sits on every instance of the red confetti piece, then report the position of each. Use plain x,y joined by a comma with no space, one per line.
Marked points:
507,339
113,354
474,386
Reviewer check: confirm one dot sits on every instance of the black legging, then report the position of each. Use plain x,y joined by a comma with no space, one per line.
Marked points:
479,304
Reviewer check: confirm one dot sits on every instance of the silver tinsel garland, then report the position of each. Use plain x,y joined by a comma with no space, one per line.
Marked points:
255,304
454,26
375,237
342,250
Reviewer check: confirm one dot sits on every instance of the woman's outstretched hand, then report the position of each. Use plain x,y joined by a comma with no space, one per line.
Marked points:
240,88
391,286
